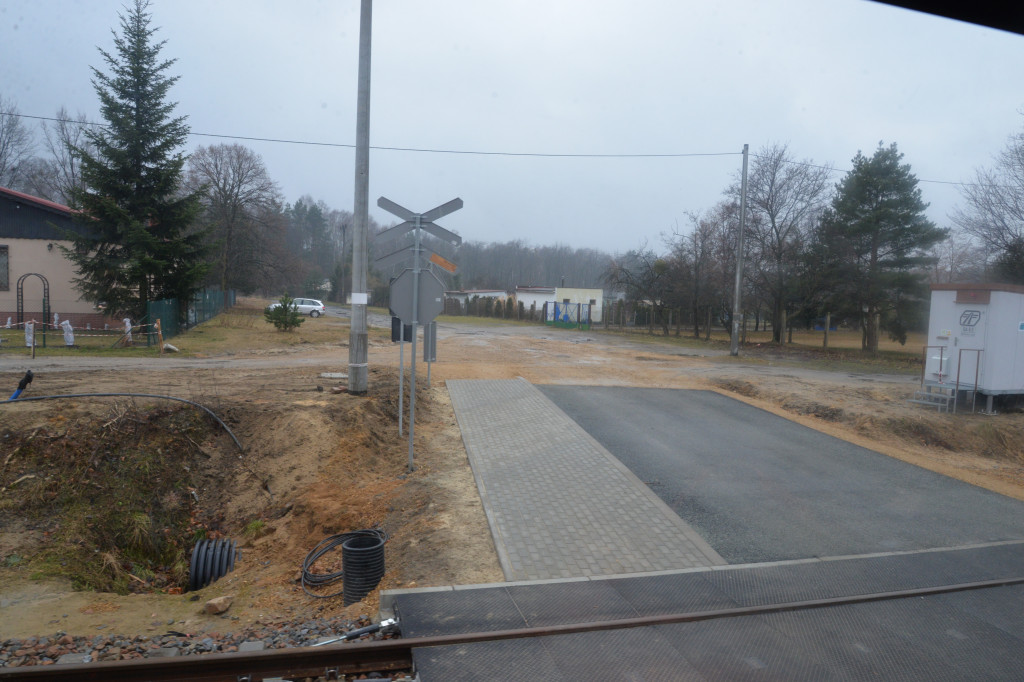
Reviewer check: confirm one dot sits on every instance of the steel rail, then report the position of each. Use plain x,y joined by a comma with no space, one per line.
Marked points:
396,654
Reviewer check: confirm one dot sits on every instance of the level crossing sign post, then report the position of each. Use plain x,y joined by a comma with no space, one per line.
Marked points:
417,292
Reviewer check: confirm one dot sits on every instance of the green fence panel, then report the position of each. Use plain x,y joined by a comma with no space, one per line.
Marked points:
165,310
205,305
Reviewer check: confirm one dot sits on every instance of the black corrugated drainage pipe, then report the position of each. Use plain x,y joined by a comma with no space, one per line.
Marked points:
362,563
362,560
211,560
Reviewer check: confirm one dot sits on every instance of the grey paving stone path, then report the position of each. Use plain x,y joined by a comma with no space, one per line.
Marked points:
558,503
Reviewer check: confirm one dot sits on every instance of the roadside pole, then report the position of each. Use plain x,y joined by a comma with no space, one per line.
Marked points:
415,321
401,376
358,342
737,308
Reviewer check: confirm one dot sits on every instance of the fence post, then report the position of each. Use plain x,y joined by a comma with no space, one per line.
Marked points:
160,335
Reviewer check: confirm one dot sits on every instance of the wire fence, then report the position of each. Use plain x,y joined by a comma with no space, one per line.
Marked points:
38,334
164,319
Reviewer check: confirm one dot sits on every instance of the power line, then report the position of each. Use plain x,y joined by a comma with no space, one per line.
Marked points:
410,149
470,152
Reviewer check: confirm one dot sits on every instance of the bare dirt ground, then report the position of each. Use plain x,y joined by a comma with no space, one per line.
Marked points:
319,463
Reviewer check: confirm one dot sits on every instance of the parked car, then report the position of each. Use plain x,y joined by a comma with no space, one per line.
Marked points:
306,306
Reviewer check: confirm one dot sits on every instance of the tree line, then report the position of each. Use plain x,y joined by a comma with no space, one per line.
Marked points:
861,251
157,223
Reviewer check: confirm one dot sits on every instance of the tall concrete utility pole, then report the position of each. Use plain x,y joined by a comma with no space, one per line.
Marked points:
737,309
358,371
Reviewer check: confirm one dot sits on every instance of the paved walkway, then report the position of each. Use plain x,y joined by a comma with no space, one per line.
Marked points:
558,503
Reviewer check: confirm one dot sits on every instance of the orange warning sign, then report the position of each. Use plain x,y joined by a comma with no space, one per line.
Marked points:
442,263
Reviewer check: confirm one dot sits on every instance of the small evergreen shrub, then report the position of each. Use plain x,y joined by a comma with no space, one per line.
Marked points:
286,316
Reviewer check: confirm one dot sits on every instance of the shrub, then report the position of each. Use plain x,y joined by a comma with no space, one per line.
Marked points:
285,316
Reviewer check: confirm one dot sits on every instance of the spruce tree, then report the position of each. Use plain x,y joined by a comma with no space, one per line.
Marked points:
872,246
137,240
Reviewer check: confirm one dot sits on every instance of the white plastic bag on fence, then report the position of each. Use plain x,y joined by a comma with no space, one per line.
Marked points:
127,331
30,334
56,320
69,333
8,322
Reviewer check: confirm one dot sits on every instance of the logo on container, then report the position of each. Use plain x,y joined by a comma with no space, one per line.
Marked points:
968,320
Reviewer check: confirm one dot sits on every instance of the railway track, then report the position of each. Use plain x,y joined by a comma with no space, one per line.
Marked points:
331,662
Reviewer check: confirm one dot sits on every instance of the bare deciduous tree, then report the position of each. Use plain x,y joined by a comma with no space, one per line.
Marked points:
239,195
703,261
15,144
65,138
36,178
995,207
958,258
645,277
784,198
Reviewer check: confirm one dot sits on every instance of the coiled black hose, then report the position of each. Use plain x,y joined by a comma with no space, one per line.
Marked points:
367,568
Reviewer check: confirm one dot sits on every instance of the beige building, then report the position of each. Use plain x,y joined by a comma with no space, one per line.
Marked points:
538,296
33,267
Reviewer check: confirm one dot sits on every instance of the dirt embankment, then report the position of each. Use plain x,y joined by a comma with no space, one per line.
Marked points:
315,464
318,463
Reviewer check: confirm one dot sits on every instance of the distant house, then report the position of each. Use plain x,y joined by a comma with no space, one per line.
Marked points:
463,297
591,297
31,231
534,296
538,296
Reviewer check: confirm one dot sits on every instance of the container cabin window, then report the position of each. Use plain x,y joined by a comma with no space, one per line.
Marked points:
5,269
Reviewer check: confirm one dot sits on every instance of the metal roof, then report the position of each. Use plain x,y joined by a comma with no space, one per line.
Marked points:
23,216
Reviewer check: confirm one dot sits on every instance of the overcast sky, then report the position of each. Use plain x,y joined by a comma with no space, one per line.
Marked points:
551,77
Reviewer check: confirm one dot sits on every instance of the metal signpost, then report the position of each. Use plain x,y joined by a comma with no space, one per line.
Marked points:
417,295
429,346
401,333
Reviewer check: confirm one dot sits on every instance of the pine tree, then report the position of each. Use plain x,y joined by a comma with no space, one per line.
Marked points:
137,241
871,245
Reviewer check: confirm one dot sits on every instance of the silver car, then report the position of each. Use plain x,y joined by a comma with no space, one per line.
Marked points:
306,306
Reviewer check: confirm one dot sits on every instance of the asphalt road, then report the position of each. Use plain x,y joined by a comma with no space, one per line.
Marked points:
760,488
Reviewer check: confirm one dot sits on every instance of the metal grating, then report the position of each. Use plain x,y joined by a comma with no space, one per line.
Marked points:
975,634
675,593
424,614
637,654
575,602
849,640
846,577
1003,607
968,647
516,659
747,648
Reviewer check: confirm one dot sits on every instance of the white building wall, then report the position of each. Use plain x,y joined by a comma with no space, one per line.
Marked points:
959,328
592,297
538,299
